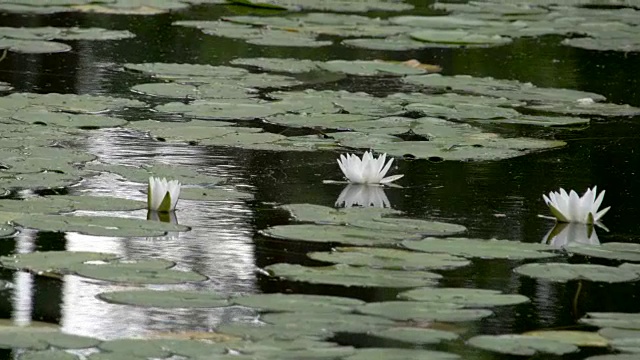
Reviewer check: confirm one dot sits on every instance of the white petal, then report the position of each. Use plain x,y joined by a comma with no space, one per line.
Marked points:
391,178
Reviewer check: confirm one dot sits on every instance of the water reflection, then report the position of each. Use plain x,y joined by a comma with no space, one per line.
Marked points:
363,195
564,234
23,281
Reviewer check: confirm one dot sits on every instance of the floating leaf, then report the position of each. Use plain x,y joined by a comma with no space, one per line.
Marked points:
612,250
71,103
297,302
328,215
460,37
400,354
39,116
348,235
52,261
185,175
418,336
68,203
205,194
353,276
160,348
186,91
48,355
330,5
166,299
392,259
292,66
626,44
414,226
394,43
39,338
422,311
369,68
612,319
352,323
521,345
98,225
33,46
577,338
561,272
463,296
486,249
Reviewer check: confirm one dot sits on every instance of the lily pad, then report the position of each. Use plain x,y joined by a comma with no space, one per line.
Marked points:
587,108
353,276
486,249
613,251
52,261
292,66
67,203
332,5
166,299
286,332
422,311
227,109
33,46
463,296
6,230
69,103
352,323
414,226
369,68
328,215
460,37
394,43
332,234
138,272
521,345
98,225
48,355
577,338
604,44
185,175
297,302
185,71
160,348
205,194
33,116
38,338
393,259
186,91
401,354
561,272
417,336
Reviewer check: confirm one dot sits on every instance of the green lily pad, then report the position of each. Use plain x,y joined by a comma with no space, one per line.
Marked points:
328,215
69,103
575,337
417,226
227,109
463,296
138,272
401,354
67,203
186,91
33,46
486,249
587,109
353,276
327,101
617,333
216,135
185,175
160,348
151,125
613,357
461,37
292,66
47,355
417,336
330,5
185,71
393,43
604,44
561,272
352,323
62,33
619,320
439,22
422,311
332,121
392,259
613,251
521,345
52,261
286,332
205,194
369,68
330,234
33,116
37,338
97,225
166,299
6,230
297,302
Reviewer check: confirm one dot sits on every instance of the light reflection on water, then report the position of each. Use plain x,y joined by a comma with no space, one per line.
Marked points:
219,246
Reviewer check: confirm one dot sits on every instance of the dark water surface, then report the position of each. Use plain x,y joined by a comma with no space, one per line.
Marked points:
499,199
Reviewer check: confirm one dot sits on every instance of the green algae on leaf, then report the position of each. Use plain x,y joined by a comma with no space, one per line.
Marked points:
414,335
392,259
422,311
400,354
353,276
463,296
166,299
336,234
480,248
297,302
521,345
97,225
561,272
52,261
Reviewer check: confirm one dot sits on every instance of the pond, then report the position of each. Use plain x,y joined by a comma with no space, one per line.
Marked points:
271,253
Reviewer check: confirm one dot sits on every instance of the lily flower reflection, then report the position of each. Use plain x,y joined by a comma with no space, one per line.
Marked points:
564,234
368,170
162,195
573,209
363,195
170,218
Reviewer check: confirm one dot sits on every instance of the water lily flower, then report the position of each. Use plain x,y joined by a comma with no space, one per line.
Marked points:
571,208
368,170
363,195
567,234
162,195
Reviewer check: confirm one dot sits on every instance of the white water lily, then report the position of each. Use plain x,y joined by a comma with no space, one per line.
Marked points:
162,195
567,234
368,170
363,195
572,208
